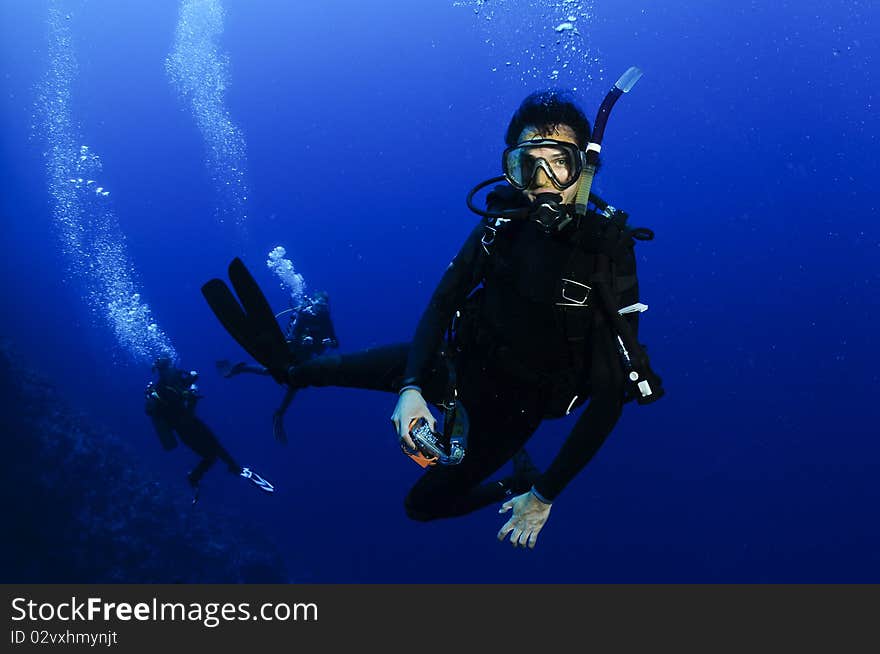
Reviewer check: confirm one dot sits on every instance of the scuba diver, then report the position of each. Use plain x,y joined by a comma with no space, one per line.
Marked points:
309,333
171,404
537,314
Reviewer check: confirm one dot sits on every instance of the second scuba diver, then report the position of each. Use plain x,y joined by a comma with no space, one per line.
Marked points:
310,333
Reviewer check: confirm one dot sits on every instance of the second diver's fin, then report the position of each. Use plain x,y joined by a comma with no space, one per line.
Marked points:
278,427
251,322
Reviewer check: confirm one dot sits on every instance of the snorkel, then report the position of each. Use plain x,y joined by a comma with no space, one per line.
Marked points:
548,202
621,86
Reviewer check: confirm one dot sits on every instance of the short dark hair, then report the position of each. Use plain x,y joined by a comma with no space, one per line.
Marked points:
546,110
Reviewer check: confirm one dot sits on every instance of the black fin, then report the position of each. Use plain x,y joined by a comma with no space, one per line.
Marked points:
263,324
251,322
278,427
232,316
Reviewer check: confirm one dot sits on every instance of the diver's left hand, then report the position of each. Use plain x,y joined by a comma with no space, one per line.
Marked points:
529,516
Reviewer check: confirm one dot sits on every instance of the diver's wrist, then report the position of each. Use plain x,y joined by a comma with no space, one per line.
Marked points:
539,497
410,387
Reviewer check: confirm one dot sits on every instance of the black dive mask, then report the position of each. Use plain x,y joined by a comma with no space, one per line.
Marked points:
561,162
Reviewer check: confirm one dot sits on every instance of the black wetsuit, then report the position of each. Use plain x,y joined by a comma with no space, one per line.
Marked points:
171,405
517,360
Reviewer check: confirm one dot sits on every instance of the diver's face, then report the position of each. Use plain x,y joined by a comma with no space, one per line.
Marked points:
541,183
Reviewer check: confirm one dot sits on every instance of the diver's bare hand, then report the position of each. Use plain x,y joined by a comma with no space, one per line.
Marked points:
410,406
529,516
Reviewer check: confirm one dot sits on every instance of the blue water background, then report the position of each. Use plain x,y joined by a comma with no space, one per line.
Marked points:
749,146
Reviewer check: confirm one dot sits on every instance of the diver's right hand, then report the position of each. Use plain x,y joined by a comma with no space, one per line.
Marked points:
410,406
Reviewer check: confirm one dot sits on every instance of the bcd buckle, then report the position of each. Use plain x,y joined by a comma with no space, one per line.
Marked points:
488,240
574,293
